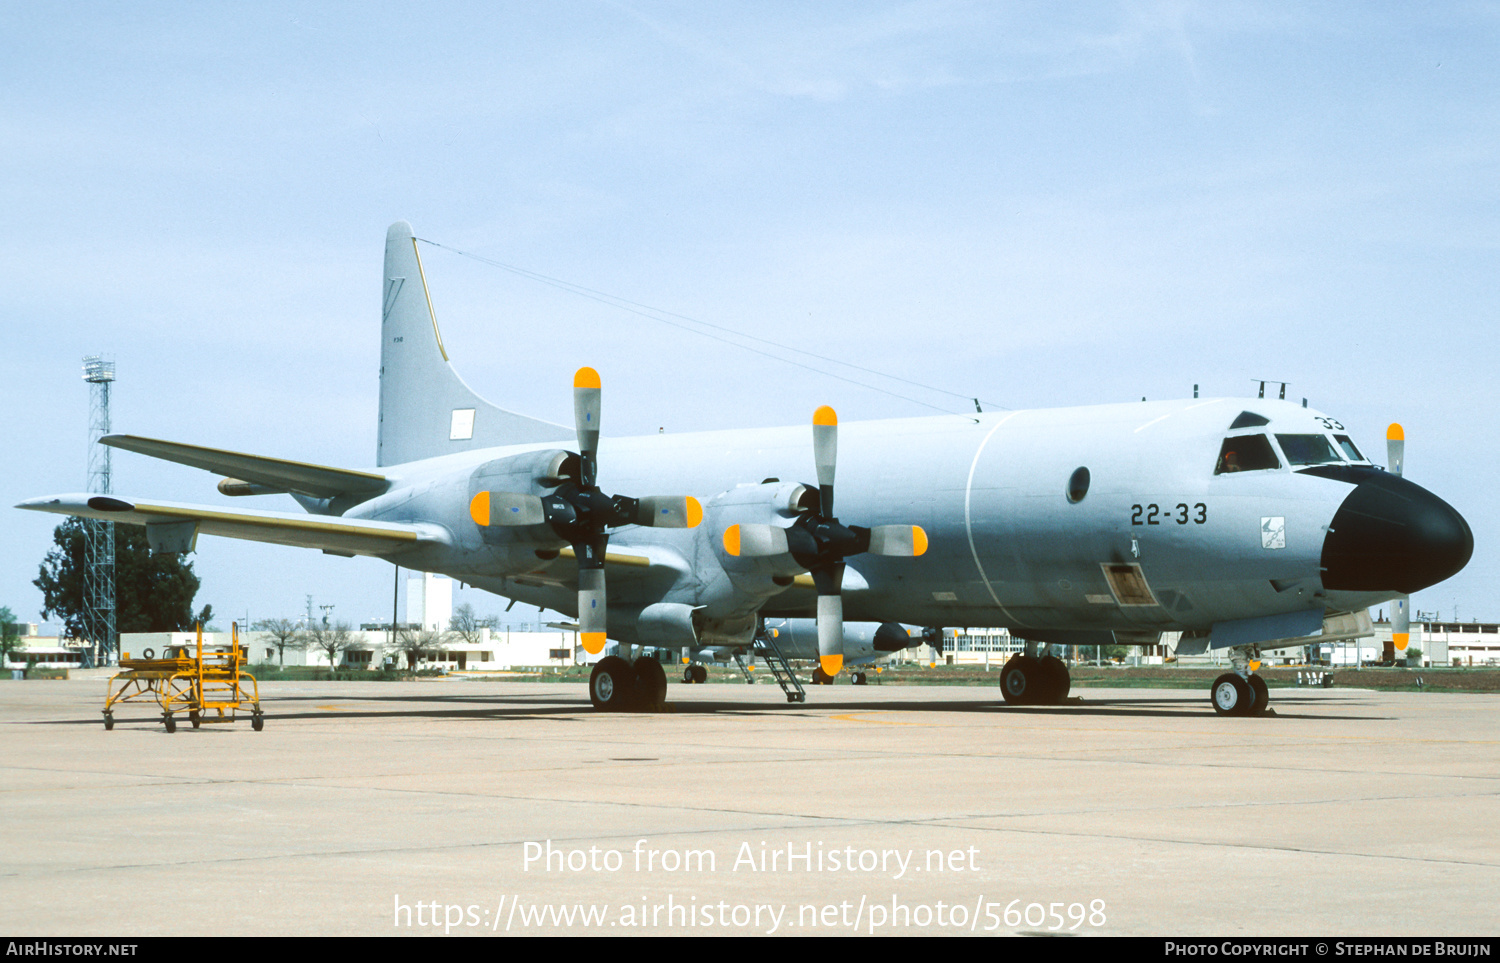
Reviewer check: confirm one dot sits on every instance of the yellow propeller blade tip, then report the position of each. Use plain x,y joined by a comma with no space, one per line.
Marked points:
825,416
479,509
593,642
831,664
586,378
732,540
694,512
1395,433
918,540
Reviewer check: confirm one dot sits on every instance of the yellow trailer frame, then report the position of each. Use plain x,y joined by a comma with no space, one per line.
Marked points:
189,679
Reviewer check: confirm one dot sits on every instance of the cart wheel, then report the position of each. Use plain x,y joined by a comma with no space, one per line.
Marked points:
109,721
195,719
171,723
257,722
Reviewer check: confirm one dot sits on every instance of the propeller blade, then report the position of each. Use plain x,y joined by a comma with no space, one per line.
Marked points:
669,511
506,508
755,541
586,410
903,541
831,633
1400,623
825,454
1395,450
591,607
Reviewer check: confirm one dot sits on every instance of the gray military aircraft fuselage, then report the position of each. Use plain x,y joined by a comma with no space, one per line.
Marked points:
1243,522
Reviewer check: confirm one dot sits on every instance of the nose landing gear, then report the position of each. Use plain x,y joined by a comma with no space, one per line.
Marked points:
1241,692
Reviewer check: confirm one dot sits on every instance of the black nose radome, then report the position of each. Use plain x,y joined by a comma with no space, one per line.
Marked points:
1391,535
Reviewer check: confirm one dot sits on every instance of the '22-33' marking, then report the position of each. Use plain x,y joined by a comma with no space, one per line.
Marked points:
1182,514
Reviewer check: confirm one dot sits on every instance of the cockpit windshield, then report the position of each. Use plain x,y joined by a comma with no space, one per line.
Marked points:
1350,451
1309,449
1246,453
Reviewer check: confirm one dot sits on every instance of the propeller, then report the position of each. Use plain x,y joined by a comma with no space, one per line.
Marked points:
819,542
1395,449
581,514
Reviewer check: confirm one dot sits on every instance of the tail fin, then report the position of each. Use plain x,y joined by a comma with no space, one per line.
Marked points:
425,408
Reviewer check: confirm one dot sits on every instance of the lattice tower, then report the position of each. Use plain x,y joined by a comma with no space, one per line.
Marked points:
99,536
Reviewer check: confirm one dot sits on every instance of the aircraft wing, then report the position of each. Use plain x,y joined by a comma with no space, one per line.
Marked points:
274,474
178,525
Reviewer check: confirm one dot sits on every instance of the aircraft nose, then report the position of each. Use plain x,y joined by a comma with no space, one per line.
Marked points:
1391,535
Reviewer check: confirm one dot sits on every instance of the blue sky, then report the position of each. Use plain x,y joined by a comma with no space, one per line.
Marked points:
1003,200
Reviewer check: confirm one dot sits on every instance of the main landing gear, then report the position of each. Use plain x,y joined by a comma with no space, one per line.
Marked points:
1241,692
619,686
1030,680
694,674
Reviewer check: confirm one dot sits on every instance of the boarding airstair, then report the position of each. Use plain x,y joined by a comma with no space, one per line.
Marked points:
767,650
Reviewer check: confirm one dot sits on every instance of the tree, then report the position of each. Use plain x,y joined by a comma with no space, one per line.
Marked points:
331,640
153,591
10,635
468,626
283,634
417,643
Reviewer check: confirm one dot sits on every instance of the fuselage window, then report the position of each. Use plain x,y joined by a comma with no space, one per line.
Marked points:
1078,485
1246,453
1308,449
1249,419
1350,451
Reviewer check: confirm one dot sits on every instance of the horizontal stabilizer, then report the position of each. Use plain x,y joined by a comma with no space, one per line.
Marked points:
331,534
275,474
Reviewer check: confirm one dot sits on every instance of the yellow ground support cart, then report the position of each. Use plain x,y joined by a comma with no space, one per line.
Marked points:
188,679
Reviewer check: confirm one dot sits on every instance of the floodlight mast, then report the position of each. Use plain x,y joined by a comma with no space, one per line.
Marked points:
99,626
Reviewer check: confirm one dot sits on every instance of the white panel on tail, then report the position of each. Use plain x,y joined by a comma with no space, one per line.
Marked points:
420,393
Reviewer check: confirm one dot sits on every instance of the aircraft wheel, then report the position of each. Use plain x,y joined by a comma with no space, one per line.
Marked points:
612,684
819,677
1232,695
1055,681
700,674
1020,680
857,678
170,723
651,683
1262,693
688,675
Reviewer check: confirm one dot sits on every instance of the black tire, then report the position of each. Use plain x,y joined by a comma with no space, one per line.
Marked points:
257,722
858,678
1055,681
700,674
195,719
688,675
612,685
1262,693
170,723
650,684
1021,681
109,722
1231,695
819,677
148,653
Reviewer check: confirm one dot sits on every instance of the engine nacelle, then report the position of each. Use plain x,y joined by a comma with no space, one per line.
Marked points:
529,473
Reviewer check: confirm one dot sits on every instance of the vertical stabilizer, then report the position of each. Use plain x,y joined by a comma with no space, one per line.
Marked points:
425,408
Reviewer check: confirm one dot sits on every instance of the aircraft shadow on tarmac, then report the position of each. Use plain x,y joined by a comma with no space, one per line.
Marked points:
529,705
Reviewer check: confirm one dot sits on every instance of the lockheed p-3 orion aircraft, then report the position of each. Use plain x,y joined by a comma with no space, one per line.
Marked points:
1243,524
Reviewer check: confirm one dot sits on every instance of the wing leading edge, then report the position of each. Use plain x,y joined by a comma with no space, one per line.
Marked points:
181,524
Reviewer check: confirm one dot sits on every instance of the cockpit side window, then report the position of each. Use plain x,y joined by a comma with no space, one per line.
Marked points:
1308,449
1346,443
1246,453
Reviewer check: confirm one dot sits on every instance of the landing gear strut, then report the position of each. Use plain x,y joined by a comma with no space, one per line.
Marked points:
1241,692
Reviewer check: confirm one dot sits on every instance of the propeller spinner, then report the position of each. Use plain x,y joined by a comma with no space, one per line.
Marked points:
581,514
819,542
